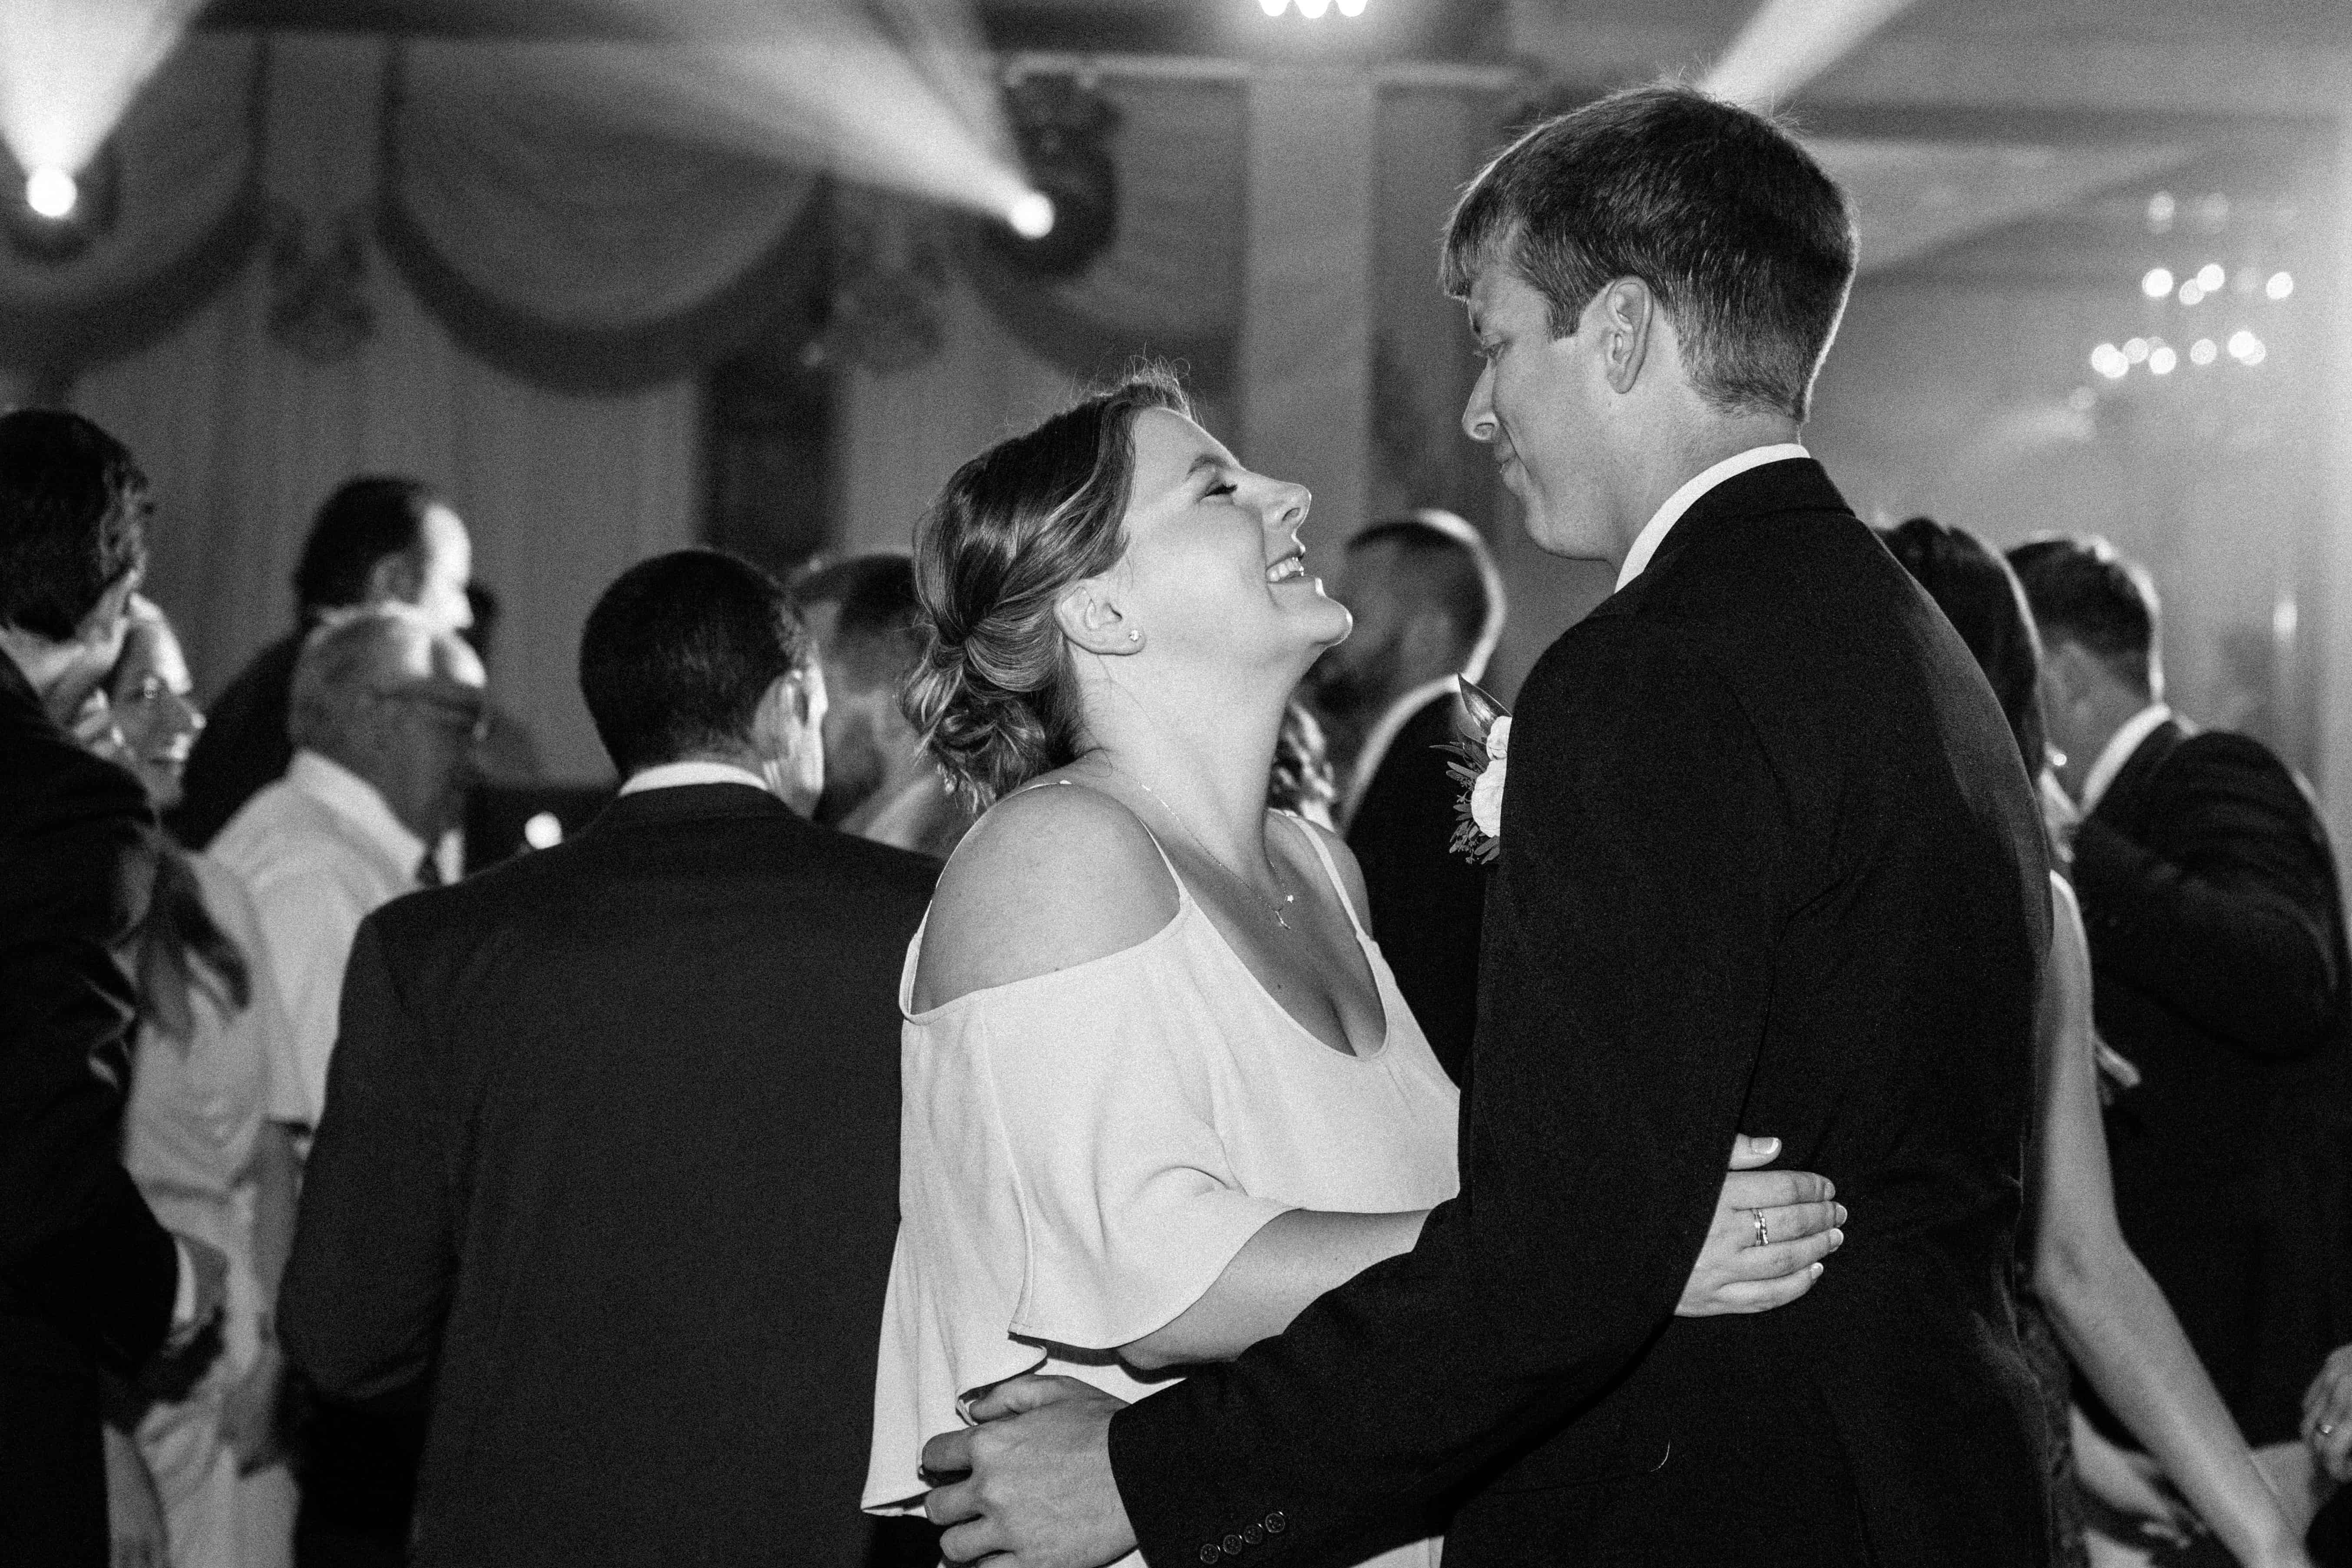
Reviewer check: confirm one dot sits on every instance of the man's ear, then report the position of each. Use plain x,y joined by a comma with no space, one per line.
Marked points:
1627,312
103,626
395,579
1091,616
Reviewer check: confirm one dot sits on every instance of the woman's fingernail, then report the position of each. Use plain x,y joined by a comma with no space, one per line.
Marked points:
1816,1270
1841,1209
1837,1239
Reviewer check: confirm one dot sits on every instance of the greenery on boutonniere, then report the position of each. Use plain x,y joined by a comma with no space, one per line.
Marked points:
1478,766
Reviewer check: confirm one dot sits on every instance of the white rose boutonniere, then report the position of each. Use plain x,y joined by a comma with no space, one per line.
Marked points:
1484,756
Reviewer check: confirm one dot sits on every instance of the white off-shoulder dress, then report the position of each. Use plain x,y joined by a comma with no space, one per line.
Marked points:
1082,1153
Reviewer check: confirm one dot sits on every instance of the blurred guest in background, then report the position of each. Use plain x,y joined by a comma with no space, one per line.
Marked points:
87,1277
387,708
611,1150
1301,782
202,1481
2083,1287
879,782
510,753
2208,890
376,541
1428,607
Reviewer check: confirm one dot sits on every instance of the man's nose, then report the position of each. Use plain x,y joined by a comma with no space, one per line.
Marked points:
1478,420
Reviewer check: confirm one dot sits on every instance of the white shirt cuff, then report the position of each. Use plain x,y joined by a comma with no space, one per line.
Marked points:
184,1296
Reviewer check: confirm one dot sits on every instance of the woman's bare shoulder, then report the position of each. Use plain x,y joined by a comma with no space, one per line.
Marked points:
1052,878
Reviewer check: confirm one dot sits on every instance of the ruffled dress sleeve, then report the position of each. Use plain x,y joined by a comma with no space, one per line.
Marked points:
1064,1188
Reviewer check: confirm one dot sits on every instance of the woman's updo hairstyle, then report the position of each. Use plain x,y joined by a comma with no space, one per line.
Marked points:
994,695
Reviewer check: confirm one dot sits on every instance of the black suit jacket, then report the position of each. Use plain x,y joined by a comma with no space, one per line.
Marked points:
611,1151
244,745
2217,954
1770,864
87,1276
1427,902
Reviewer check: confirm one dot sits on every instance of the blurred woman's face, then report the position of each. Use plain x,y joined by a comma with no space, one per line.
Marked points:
149,695
1214,563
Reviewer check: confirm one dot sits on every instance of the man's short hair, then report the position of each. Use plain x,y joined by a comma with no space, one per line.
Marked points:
343,662
1747,243
2082,591
679,652
73,519
877,637
364,520
1447,563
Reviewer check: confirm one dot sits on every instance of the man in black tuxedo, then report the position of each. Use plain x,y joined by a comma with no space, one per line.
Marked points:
376,541
1428,606
2219,967
88,1278
1768,860
608,1172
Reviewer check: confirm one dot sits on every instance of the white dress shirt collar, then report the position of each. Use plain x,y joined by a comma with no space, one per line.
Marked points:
359,804
1376,744
2118,751
1653,532
670,775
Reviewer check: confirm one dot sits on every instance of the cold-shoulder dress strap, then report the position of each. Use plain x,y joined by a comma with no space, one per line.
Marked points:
1330,870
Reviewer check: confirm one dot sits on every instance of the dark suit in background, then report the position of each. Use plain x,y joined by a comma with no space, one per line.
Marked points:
243,746
1770,864
2217,954
87,1276
611,1151
1427,902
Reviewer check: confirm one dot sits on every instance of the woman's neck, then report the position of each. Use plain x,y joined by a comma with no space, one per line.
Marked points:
1205,762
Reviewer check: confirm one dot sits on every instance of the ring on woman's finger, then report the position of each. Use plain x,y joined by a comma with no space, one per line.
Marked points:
2328,1429
1763,1232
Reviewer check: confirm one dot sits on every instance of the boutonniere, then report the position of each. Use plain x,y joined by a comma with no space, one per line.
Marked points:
1483,757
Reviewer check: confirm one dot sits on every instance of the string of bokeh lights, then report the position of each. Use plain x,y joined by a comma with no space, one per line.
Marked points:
2210,289
1313,10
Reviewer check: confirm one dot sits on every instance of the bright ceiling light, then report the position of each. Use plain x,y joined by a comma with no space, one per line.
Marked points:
2210,278
51,192
2281,285
1350,8
1032,216
2161,359
1313,9
1273,7
2192,292
2157,283
2202,352
2109,362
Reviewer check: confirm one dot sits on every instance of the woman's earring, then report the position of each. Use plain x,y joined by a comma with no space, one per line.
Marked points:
1134,635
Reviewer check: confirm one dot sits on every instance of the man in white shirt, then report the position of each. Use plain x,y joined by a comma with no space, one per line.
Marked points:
387,710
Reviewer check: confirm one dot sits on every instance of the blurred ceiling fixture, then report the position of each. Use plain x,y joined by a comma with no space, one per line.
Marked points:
54,214
1313,10
1070,213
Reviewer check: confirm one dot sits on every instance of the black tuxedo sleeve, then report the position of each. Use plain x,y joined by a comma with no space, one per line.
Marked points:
366,1289
76,1239
2231,921
1626,969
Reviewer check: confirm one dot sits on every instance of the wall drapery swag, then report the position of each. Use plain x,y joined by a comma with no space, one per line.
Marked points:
187,209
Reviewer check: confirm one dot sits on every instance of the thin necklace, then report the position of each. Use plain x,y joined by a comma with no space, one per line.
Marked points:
1288,899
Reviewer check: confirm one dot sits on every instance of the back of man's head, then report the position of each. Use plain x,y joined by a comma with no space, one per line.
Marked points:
1435,559
873,640
678,653
2083,592
73,519
1747,244
363,523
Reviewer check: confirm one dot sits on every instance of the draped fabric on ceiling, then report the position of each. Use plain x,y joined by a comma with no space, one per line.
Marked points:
187,209
565,241
1169,284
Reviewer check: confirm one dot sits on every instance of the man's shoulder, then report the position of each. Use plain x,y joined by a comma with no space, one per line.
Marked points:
2207,759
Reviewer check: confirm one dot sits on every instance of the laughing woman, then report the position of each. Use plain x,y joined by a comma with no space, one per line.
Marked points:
1161,1090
